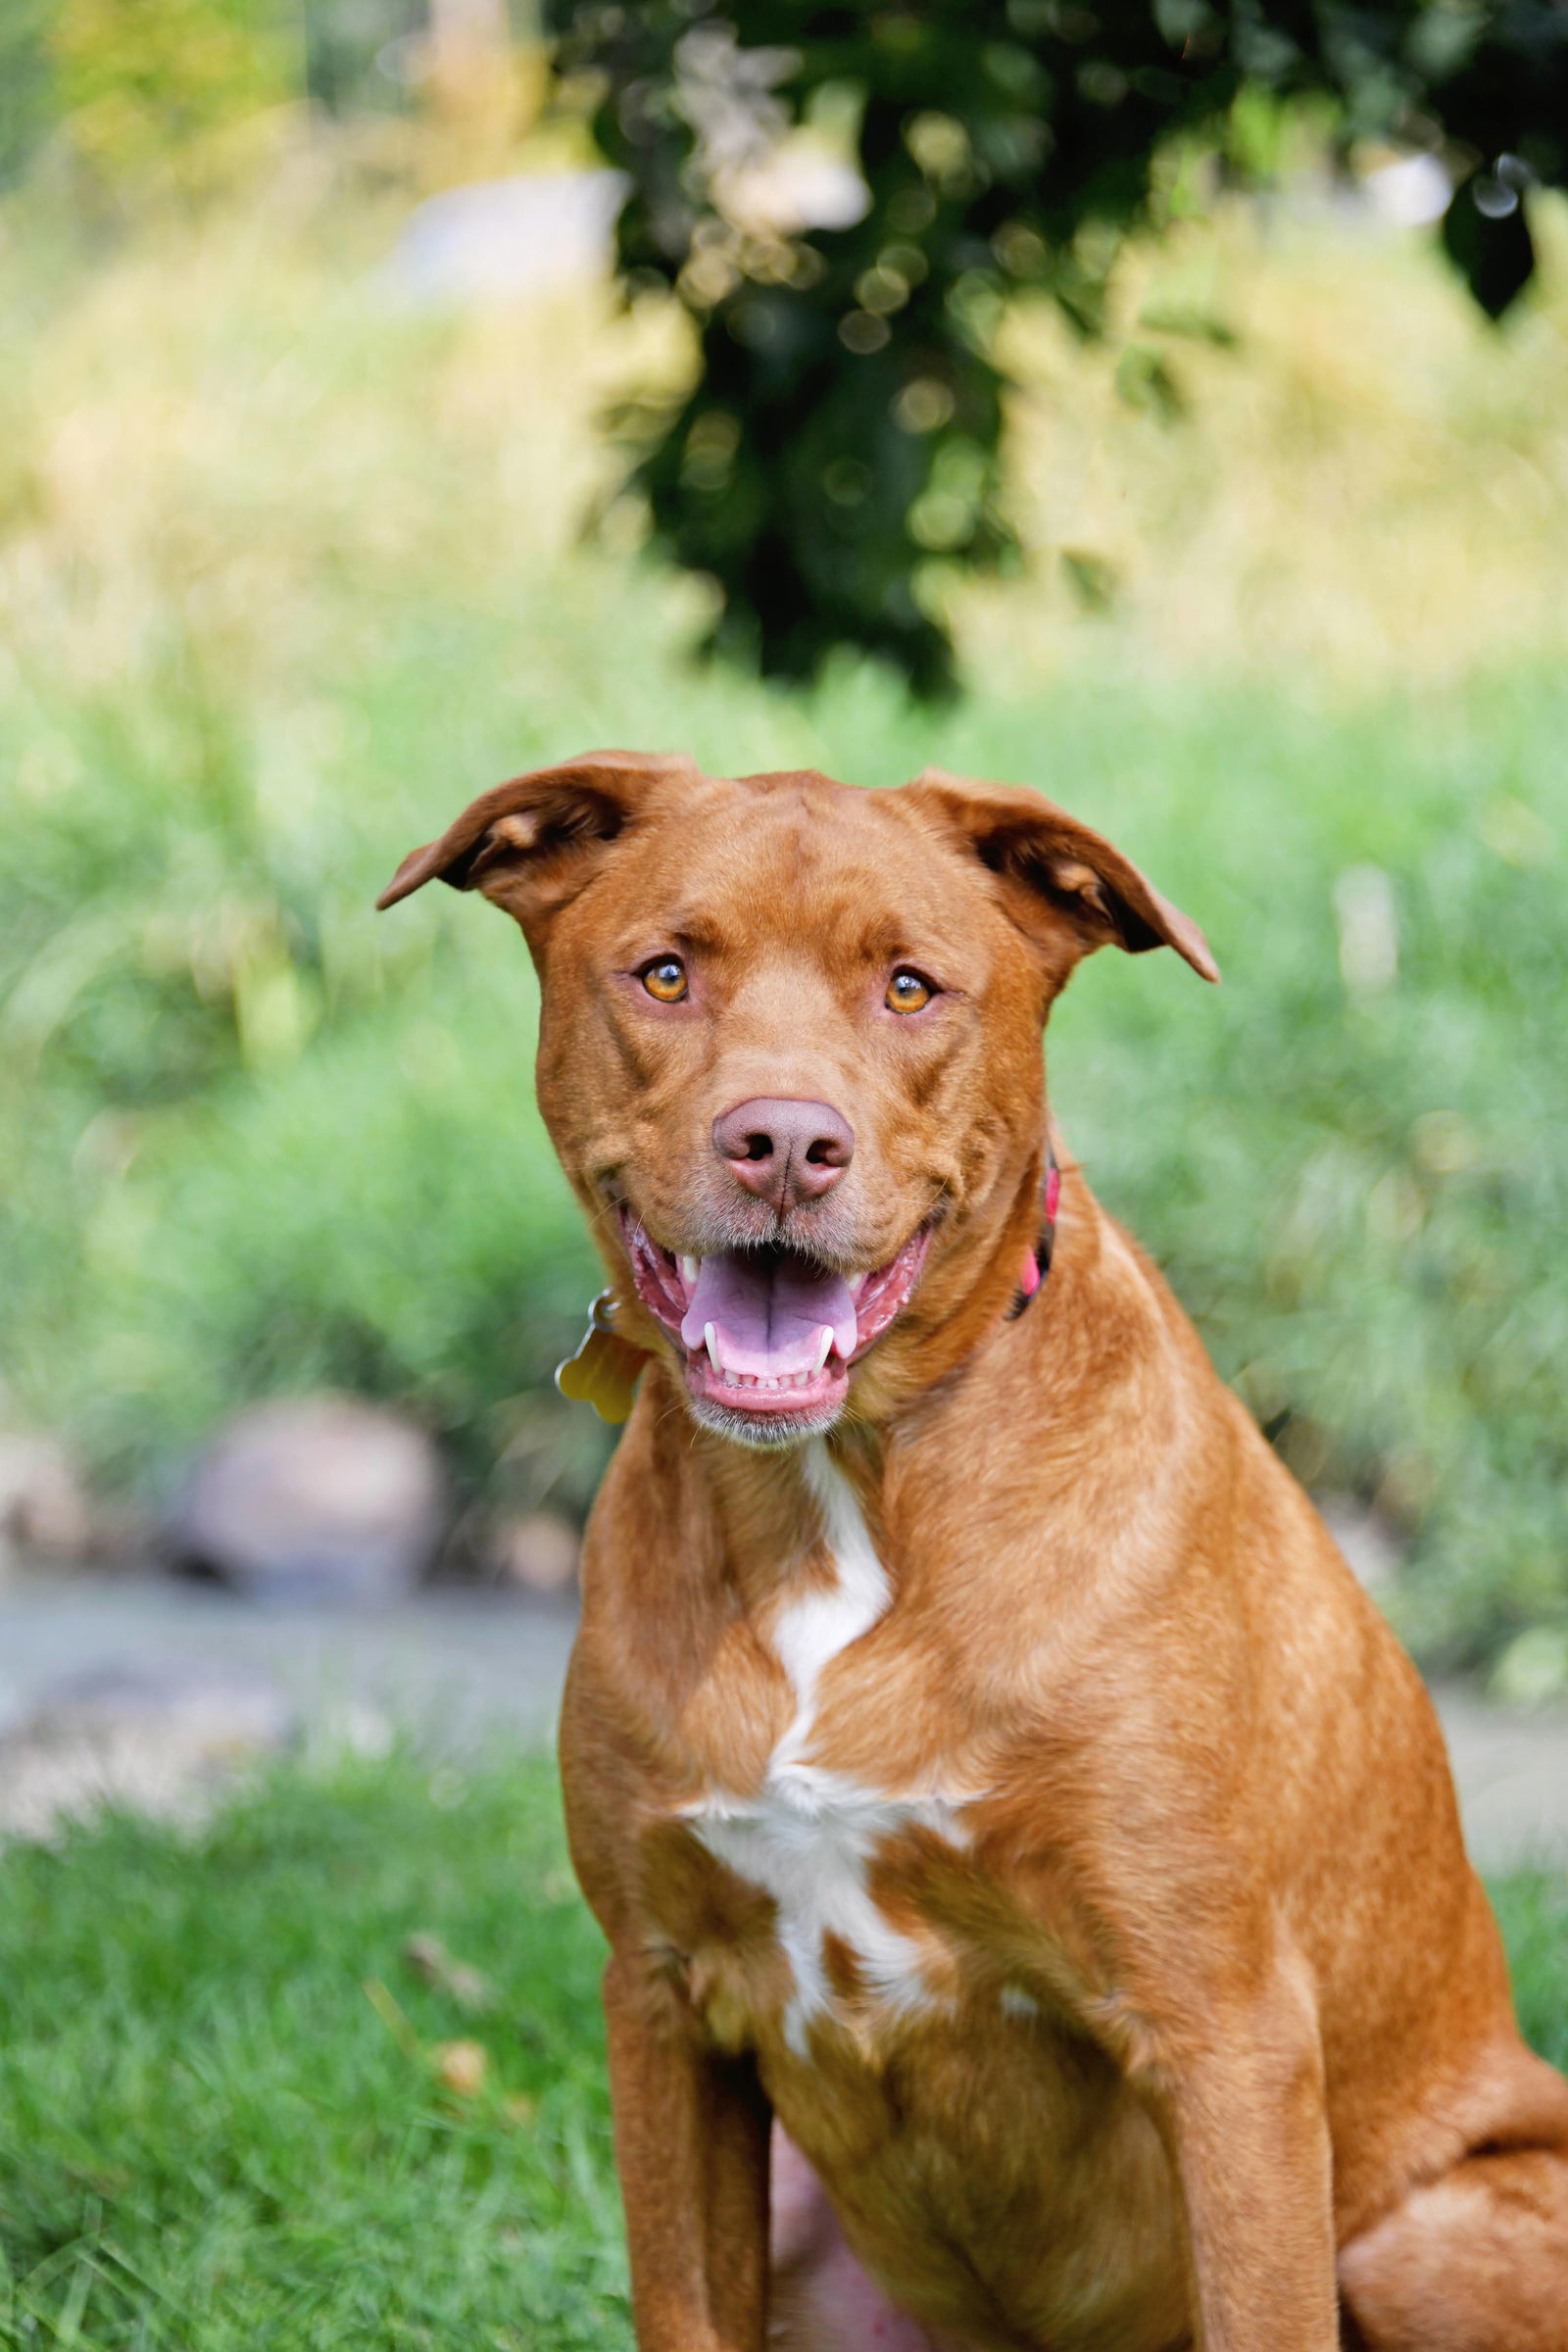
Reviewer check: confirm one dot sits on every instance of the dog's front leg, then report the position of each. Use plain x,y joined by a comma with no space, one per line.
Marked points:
691,2147
1246,2124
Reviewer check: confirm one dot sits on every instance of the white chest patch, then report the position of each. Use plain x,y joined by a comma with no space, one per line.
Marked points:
810,1833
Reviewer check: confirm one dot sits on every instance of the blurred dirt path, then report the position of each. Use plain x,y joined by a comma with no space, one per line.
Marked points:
452,1667
458,1670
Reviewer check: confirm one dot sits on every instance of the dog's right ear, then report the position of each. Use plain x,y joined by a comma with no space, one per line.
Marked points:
530,844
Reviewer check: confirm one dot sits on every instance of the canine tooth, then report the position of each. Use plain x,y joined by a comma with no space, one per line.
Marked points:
825,1347
711,1342
857,1282
690,1268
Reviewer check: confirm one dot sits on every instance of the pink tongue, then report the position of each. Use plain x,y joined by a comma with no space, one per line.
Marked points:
768,1313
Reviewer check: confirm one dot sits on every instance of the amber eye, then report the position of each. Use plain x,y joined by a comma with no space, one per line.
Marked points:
666,979
908,992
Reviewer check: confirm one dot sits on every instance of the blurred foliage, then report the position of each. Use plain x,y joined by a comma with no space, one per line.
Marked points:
846,422
1371,486
289,567
26,85
359,53
143,86
141,78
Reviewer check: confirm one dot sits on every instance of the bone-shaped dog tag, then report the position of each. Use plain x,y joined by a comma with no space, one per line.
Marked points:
604,1371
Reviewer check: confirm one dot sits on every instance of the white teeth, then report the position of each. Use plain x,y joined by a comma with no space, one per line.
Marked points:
690,1268
772,1385
857,1282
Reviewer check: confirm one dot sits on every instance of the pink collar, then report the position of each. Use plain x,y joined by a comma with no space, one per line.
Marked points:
1036,1257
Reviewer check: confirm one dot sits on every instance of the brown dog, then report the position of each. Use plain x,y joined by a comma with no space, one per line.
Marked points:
976,1752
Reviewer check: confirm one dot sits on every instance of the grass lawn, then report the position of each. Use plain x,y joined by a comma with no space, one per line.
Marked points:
223,2123
231,2110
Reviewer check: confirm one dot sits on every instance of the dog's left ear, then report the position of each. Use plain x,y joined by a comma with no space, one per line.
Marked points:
1051,865
530,844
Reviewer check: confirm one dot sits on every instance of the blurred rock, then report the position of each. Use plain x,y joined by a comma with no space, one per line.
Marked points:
795,187
538,1552
1368,1541
44,1507
160,1739
497,238
315,1498
1409,192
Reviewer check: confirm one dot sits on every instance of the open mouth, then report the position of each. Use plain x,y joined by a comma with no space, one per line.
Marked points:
770,1332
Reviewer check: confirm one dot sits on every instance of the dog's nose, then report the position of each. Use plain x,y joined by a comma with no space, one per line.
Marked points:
784,1152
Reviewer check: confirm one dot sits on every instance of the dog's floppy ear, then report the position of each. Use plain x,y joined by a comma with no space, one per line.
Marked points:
527,844
1050,861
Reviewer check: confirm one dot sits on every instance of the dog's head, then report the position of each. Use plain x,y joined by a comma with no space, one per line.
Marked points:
789,1052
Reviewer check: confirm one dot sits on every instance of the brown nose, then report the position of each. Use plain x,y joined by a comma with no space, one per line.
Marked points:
785,1153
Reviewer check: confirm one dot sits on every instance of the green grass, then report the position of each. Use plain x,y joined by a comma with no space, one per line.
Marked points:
221,2125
